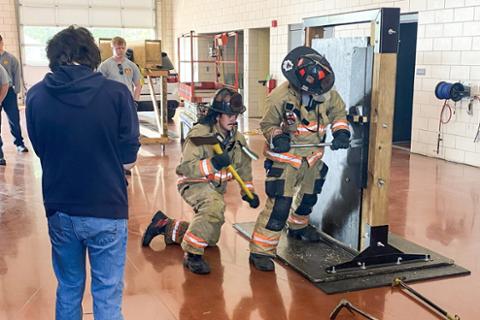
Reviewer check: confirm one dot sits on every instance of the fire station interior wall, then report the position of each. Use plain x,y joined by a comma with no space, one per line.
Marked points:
448,47
256,67
9,28
296,36
164,28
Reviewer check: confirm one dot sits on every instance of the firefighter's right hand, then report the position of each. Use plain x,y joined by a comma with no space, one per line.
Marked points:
341,140
281,143
221,161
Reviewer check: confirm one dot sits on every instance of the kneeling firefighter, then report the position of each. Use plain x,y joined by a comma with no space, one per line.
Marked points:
203,179
298,112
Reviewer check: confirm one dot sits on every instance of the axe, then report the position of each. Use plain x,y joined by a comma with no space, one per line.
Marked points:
214,141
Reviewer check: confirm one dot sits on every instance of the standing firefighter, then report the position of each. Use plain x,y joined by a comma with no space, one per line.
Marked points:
298,112
203,180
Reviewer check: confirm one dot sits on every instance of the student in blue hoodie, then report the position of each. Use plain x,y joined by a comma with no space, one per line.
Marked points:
84,129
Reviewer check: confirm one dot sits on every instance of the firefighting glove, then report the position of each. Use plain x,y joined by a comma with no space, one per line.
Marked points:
341,140
254,203
281,143
221,161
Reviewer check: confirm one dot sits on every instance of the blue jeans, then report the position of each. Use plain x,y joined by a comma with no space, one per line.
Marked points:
105,240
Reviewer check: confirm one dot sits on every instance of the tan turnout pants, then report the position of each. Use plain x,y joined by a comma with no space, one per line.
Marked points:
292,193
209,208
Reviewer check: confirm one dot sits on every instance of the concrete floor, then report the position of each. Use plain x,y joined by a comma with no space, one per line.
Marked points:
432,203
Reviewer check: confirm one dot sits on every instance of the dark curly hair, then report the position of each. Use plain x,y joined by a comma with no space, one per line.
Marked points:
73,44
210,118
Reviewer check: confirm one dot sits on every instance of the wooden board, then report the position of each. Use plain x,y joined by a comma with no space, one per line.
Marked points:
149,140
375,196
156,73
312,33
105,46
147,53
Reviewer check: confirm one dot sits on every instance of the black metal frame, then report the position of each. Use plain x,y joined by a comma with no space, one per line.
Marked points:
387,25
386,34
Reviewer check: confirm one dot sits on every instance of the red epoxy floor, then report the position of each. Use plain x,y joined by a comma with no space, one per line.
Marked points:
432,202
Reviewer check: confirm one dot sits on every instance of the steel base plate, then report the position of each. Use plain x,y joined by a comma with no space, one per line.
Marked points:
311,260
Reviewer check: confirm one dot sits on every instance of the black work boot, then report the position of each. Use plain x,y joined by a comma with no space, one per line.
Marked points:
155,228
307,234
262,262
195,263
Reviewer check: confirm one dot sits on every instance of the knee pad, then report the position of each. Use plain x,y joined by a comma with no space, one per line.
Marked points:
306,205
279,215
275,188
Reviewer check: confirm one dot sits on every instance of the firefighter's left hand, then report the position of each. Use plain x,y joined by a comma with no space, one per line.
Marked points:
341,140
254,203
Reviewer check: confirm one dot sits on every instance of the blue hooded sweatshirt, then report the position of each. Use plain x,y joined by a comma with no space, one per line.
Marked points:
83,127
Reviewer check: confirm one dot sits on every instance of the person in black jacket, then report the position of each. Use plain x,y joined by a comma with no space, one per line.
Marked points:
84,128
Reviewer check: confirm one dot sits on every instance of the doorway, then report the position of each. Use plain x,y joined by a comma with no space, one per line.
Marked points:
402,118
257,69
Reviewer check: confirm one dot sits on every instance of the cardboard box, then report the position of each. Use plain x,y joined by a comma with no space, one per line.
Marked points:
147,53
105,46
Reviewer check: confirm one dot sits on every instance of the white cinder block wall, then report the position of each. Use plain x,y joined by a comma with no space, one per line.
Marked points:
8,26
448,48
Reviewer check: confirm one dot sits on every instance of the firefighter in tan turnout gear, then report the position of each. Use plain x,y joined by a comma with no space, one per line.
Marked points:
298,112
203,179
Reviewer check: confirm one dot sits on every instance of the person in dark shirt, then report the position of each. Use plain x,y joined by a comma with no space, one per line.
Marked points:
4,81
84,128
10,103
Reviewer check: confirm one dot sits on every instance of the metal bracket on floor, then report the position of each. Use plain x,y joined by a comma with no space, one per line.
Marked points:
379,253
350,307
